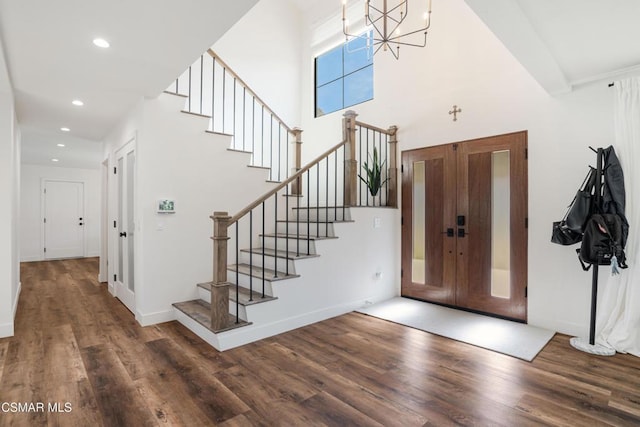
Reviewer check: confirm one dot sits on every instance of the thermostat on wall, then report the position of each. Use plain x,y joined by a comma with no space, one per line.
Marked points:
166,206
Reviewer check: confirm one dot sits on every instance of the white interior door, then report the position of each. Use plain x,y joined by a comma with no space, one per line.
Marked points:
63,219
125,225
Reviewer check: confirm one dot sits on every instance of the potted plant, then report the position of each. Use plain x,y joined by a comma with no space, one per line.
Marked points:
373,173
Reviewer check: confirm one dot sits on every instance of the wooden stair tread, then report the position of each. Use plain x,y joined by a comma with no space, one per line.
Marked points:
235,150
291,255
196,114
255,271
168,92
217,133
200,311
323,207
244,294
296,236
315,221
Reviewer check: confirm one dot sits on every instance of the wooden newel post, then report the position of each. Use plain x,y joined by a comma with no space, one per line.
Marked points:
392,200
350,161
220,286
296,186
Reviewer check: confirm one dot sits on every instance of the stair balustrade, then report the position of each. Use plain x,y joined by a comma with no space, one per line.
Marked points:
283,225
214,90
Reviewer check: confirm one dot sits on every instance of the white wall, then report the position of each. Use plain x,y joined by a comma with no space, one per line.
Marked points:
9,191
264,49
176,159
31,224
464,64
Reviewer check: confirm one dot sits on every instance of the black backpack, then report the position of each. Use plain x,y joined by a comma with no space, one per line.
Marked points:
602,242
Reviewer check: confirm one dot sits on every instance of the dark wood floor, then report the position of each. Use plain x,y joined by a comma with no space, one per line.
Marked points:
77,345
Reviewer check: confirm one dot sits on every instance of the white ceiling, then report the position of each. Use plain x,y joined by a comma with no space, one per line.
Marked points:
567,43
51,60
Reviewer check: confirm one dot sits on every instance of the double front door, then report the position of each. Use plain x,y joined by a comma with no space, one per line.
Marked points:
464,233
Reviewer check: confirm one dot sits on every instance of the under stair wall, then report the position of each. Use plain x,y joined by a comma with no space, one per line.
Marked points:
176,159
342,278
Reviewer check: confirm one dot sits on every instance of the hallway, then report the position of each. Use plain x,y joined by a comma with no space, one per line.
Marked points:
77,346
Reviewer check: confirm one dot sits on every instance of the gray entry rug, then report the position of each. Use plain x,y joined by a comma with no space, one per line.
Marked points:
511,338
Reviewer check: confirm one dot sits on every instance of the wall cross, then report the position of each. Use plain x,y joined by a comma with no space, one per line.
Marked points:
455,112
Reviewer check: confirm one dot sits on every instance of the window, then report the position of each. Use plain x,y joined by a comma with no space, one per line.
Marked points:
344,76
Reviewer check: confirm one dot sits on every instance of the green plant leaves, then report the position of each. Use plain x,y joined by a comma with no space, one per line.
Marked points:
373,173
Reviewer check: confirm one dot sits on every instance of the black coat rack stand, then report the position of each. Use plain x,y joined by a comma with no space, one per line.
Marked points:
580,343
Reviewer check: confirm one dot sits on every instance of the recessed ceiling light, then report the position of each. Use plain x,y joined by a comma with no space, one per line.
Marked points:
101,43
77,102
55,160
63,129
60,145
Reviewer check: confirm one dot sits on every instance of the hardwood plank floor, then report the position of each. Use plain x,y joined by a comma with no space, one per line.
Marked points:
76,345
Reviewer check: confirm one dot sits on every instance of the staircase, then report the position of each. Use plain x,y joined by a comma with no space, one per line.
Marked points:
260,270
260,252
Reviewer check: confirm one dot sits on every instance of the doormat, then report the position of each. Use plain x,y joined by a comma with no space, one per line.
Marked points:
503,336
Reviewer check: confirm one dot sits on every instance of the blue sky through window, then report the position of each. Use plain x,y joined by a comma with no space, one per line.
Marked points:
344,76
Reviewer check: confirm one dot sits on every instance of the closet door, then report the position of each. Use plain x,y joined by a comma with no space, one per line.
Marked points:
428,234
492,235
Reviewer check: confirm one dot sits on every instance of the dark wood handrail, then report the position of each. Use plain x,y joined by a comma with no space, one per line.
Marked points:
238,78
374,128
284,183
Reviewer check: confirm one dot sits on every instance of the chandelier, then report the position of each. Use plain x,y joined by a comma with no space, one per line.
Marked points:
385,21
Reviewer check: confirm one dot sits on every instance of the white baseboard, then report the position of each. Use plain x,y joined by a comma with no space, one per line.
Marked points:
15,300
157,317
93,254
6,330
247,334
31,258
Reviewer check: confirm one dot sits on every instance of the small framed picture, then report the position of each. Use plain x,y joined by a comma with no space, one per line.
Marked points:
166,206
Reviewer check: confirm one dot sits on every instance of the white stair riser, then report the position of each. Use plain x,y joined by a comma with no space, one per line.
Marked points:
270,242
313,228
243,279
269,261
321,214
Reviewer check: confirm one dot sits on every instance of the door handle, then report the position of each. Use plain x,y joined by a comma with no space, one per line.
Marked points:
81,223
461,232
123,234
449,232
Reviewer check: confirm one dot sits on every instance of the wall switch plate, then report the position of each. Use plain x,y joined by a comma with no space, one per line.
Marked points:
377,222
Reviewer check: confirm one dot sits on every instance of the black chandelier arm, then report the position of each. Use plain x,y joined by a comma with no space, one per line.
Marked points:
409,44
408,34
394,8
382,36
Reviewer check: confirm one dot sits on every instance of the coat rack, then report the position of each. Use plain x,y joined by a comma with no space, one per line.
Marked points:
577,342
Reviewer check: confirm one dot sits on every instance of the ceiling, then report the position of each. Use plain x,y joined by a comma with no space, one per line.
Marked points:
569,43
51,58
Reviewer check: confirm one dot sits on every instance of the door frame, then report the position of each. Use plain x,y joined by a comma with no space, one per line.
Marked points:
124,295
43,213
103,274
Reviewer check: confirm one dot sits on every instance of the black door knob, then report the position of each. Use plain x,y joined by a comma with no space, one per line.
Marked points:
123,234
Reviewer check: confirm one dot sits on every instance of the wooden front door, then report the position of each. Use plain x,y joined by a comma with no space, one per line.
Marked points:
464,236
